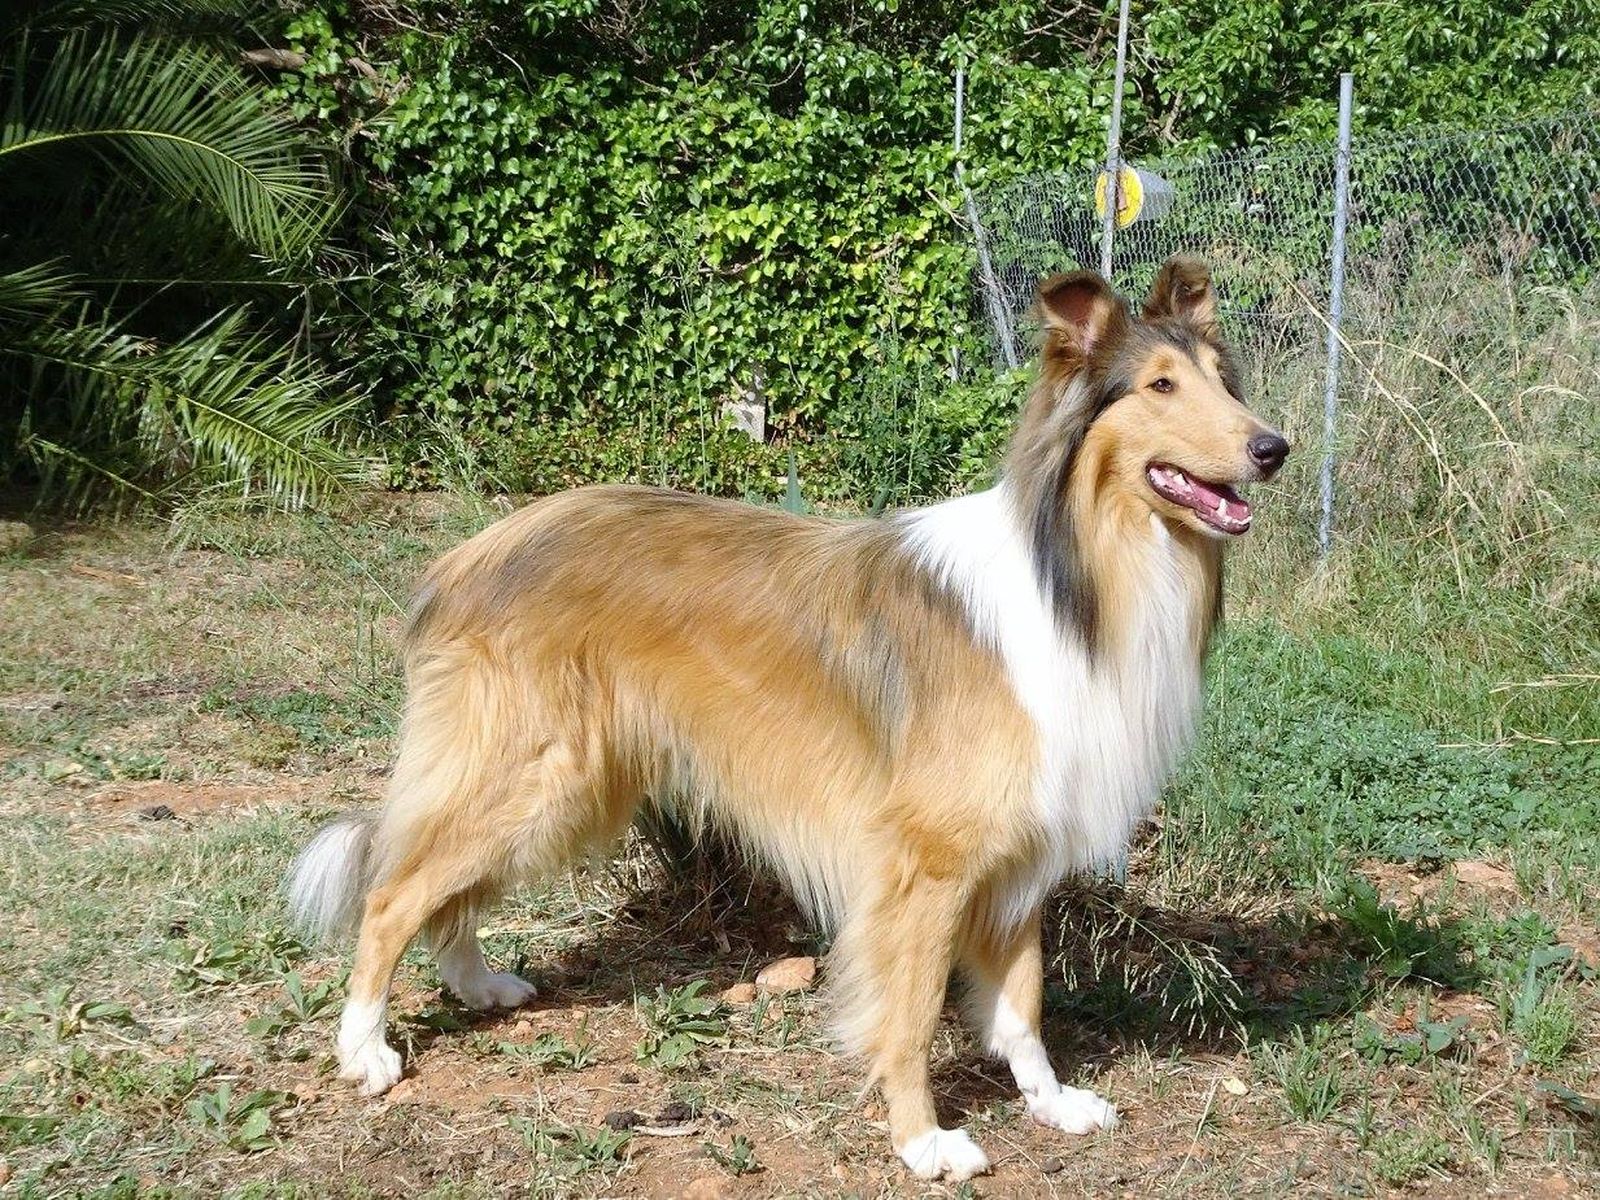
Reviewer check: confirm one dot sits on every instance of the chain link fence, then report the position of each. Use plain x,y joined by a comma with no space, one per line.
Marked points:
1471,290
1516,203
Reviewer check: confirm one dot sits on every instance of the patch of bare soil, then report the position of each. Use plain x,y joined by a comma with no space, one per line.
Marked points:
1455,888
1403,884
157,799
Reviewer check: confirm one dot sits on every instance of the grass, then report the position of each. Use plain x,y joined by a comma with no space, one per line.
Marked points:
1356,953
1309,1076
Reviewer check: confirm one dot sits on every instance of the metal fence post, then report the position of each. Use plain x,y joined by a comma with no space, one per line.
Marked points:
961,109
1330,395
1108,227
998,315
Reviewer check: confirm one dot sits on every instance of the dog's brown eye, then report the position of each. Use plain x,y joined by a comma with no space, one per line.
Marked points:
1162,385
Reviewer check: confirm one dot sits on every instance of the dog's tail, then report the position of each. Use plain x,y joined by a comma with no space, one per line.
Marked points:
328,883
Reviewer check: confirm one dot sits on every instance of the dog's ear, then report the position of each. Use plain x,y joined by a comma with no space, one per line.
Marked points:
1183,291
1080,313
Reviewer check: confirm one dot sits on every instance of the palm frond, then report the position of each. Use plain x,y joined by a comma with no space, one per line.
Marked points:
224,405
254,411
180,116
76,377
59,15
67,473
40,288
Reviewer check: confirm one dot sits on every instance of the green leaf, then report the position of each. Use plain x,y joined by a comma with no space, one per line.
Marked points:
253,1129
1575,1103
179,115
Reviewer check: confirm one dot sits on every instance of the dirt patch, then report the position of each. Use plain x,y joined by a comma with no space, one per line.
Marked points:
1585,943
158,799
1460,883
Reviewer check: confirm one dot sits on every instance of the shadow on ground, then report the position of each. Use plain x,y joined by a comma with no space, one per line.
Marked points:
1128,978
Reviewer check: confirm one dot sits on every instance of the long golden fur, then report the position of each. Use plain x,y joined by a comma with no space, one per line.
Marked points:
921,722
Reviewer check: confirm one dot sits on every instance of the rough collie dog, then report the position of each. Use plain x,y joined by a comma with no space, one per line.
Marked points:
921,723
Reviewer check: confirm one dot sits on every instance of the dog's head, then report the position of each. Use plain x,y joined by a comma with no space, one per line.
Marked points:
1157,395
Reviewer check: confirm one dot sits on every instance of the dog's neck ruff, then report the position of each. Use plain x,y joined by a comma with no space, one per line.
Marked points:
1110,725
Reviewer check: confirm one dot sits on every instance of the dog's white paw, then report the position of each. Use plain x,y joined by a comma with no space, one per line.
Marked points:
950,1153
374,1067
497,990
1073,1110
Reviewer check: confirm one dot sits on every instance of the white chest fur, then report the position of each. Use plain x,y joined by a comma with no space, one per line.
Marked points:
1110,732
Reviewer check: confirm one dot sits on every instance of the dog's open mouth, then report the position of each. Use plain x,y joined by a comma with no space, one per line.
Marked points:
1217,504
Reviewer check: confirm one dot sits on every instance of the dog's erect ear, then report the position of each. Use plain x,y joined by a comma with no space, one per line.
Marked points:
1080,313
1182,290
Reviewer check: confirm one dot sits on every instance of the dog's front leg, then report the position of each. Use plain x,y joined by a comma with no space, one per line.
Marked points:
893,965
1005,996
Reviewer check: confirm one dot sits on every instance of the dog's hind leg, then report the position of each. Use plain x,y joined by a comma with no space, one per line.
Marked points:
501,822
894,959
453,933
395,913
440,844
1005,977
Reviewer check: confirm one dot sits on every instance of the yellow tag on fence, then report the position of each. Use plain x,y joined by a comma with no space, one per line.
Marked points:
1141,196
1130,196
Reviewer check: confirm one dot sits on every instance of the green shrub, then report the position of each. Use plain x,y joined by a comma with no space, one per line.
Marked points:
582,247
158,207
583,227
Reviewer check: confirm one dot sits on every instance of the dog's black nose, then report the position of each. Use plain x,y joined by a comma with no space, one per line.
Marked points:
1267,451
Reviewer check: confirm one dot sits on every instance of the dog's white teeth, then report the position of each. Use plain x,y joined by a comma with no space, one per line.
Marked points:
1222,509
1181,478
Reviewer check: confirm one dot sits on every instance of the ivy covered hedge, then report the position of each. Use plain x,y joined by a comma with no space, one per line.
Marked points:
584,225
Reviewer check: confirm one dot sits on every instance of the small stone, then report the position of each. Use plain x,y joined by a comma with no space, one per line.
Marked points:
1235,1086
627,1077
157,812
707,1187
401,1092
5,1173
1052,1166
787,975
622,1118
523,1028
739,993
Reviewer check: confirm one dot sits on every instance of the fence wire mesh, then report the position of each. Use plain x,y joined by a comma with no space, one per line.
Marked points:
1518,204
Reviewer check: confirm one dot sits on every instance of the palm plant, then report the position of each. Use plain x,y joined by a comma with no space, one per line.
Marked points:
160,236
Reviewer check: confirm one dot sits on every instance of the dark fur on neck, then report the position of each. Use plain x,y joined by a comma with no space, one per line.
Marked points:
1039,465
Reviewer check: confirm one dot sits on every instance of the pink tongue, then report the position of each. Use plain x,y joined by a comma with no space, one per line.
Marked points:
1210,497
